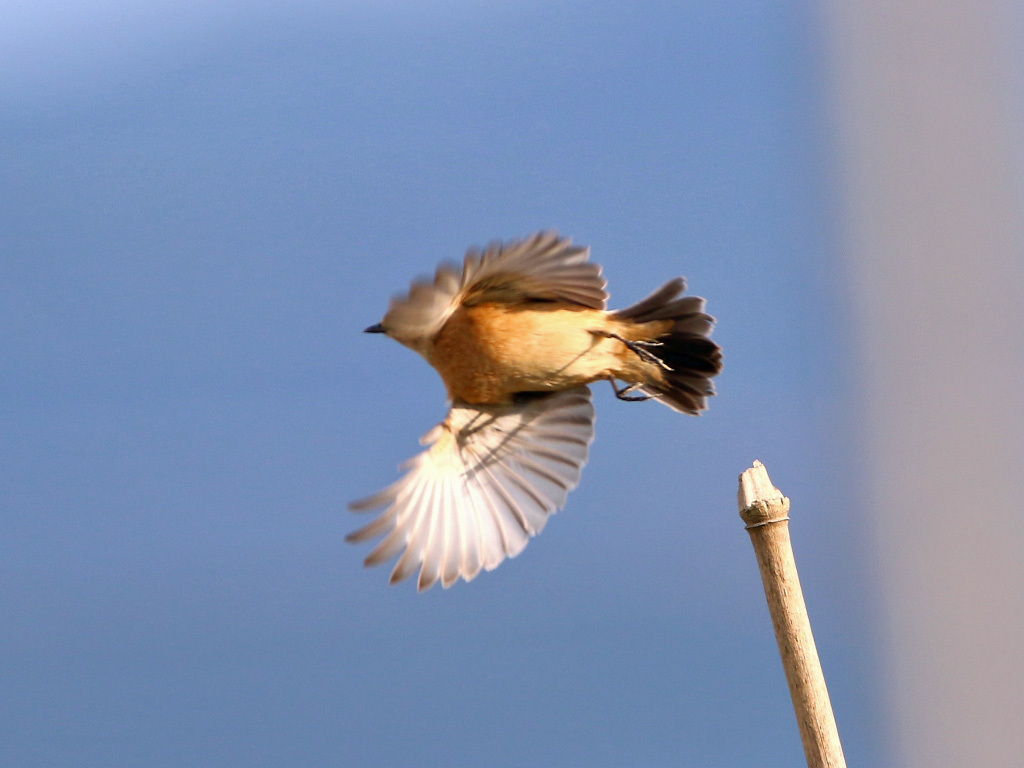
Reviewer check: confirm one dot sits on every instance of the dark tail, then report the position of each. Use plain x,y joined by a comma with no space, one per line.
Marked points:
689,359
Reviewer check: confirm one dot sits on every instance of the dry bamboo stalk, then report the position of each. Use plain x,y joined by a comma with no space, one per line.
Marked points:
766,512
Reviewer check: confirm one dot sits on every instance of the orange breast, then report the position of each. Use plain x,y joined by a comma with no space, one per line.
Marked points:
486,353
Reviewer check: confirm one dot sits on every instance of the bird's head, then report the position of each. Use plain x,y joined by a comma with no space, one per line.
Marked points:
414,319
407,337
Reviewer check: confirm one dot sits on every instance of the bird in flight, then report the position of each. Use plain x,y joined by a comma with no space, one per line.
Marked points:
517,333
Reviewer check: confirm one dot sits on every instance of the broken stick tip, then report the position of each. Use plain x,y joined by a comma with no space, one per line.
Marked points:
759,501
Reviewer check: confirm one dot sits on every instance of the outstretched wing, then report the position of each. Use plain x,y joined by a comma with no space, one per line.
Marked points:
487,484
544,266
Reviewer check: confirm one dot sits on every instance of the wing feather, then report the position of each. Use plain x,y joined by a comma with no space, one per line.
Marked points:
469,524
490,480
514,532
493,536
399,512
418,530
432,550
455,531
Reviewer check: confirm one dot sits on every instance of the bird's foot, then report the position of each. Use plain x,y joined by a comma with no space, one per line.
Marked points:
623,392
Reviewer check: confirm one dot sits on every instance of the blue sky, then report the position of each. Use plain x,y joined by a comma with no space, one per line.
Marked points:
200,211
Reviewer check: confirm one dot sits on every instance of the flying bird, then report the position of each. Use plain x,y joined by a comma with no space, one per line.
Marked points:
517,333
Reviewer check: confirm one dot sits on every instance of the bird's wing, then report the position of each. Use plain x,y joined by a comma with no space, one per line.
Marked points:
489,481
544,266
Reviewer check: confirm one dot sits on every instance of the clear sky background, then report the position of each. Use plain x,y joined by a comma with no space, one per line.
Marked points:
200,211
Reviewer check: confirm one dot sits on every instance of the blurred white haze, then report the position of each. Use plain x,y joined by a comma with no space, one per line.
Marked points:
928,112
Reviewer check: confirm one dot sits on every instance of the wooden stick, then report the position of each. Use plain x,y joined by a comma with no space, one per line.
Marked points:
766,512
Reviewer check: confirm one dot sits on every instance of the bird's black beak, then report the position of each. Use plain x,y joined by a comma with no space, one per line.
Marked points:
375,328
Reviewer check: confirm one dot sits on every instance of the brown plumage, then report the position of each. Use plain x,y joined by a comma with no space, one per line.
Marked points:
516,336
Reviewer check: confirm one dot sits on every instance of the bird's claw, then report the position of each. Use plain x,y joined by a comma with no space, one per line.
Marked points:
623,392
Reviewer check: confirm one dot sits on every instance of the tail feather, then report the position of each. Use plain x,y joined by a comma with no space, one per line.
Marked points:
653,303
690,359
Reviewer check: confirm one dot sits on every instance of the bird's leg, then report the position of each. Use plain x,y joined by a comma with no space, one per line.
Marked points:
623,393
638,348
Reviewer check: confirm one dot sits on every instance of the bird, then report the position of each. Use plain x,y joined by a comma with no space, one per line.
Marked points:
517,333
